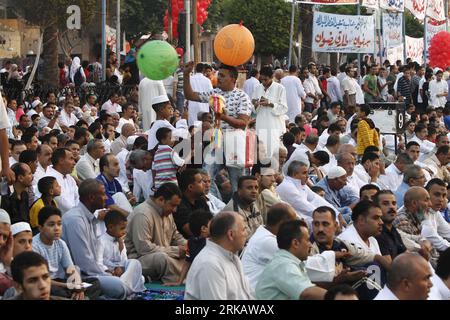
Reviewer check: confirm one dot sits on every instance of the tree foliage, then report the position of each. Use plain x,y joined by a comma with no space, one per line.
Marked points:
215,15
268,20
143,16
414,28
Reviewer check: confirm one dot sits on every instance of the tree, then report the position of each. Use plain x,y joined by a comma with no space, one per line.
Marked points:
51,16
414,28
143,16
215,15
268,20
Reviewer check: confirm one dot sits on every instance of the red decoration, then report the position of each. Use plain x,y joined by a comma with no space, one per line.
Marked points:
438,51
180,51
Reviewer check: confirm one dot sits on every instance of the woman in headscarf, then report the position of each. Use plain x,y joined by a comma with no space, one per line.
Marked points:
74,68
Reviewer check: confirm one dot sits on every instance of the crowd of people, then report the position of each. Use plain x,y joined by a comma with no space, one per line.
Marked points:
278,187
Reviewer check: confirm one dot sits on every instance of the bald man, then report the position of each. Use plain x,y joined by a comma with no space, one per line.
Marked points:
121,143
409,279
409,220
347,161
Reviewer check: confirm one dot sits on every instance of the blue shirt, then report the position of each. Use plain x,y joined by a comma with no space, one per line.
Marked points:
400,193
338,198
111,188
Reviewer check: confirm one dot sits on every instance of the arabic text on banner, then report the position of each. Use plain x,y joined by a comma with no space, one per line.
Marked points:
414,49
370,3
397,5
342,33
330,2
436,10
433,28
392,29
416,7
394,54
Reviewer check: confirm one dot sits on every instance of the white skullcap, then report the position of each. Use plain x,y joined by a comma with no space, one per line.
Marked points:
35,103
321,267
267,171
435,70
20,227
182,124
4,217
160,99
131,140
336,172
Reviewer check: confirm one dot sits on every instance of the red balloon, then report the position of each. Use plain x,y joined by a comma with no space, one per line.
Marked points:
438,51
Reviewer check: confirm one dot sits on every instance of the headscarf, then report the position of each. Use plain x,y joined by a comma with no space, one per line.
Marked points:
76,64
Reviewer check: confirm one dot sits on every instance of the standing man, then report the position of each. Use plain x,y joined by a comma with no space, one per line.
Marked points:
199,83
295,93
438,89
148,89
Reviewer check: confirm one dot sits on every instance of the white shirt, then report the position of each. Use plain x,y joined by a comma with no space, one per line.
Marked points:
216,274
294,93
358,90
350,234
108,254
425,145
123,121
436,88
199,83
362,174
355,183
249,86
215,204
323,139
419,97
69,190
385,294
334,89
111,107
392,178
4,120
148,89
122,156
151,134
439,291
40,172
66,119
436,230
142,184
332,163
310,87
300,197
87,167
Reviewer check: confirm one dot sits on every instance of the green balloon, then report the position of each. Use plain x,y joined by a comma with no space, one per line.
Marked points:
157,60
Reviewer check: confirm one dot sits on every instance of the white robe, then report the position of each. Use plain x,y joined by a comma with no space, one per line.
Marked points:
148,89
270,123
294,93
199,83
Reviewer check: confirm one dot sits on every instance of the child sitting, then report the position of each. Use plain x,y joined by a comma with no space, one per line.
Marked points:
166,161
49,188
112,254
48,244
199,221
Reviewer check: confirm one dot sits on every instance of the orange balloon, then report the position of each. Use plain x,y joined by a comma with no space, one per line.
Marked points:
234,45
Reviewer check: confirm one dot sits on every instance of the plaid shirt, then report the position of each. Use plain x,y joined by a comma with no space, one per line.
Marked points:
407,222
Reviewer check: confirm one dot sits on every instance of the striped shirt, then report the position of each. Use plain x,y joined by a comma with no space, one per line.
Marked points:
57,256
165,165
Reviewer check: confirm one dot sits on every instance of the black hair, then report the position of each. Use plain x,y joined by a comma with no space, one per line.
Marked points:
332,141
23,261
46,212
28,156
245,178
104,161
114,217
18,169
322,156
167,191
324,209
198,219
411,144
435,181
233,70
443,150
276,214
80,132
266,71
296,130
163,133
288,139
343,289
58,154
369,156
362,209
293,68
371,149
220,224
289,231
186,178
334,127
366,187
376,197
45,184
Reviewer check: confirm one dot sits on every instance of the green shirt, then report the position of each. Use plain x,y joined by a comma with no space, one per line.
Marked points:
284,278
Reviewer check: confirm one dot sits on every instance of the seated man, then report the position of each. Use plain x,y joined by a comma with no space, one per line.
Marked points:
369,168
438,163
285,277
6,251
215,204
393,175
413,176
244,203
408,279
342,197
152,236
368,191
267,194
293,190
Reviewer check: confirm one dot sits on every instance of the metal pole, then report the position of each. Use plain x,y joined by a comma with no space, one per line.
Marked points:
118,38
404,37
103,40
359,54
425,35
291,35
187,6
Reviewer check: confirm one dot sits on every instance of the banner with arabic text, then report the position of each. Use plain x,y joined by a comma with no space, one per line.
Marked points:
433,28
436,10
397,5
394,54
392,29
330,2
370,3
416,7
414,49
342,33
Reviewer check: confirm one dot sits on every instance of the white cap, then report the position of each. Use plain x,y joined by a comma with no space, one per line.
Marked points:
336,172
435,70
4,217
180,133
131,140
267,171
20,227
35,103
321,267
182,124
160,99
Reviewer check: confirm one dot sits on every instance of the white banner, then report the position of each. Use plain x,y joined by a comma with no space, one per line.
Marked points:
394,54
342,33
392,29
414,49
416,7
370,3
397,5
436,10
329,2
